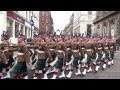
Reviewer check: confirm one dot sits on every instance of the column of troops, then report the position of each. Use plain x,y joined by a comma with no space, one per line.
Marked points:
77,55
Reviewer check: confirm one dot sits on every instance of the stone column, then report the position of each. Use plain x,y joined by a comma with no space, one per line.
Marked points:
13,29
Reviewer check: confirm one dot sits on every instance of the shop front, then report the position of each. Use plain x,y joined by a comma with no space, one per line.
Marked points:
15,24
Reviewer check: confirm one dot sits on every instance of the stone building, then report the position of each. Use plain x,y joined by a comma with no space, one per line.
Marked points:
107,23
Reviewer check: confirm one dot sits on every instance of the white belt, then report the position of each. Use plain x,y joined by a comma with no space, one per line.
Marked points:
99,48
52,49
75,50
59,51
40,51
82,48
68,48
20,53
106,47
89,50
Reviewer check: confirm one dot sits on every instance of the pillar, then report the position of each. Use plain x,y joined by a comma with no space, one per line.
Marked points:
13,28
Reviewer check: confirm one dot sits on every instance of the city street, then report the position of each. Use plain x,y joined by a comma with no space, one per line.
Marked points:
109,73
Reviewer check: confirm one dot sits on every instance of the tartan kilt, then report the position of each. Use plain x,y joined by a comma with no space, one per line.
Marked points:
89,60
100,56
59,63
41,64
107,55
1,67
20,68
75,62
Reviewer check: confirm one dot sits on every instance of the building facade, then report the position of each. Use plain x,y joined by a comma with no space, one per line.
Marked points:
68,30
107,23
18,22
83,22
45,22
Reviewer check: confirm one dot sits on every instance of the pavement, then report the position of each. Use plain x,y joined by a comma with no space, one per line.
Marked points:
112,72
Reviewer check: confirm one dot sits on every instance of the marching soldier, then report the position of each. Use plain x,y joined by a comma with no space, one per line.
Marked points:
23,60
88,57
8,51
75,57
43,54
61,53
3,61
112,50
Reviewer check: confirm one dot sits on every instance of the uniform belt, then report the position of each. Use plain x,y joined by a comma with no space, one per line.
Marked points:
20,53
82,48
89,50
59,51
52,49
99,48
40,51
106,47
68,48
75,50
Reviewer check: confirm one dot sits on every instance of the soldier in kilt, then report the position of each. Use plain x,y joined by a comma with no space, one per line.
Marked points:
43,54
106,53
3,61
61,57
23,61
8,51
88,57
75,58
112,51
52,46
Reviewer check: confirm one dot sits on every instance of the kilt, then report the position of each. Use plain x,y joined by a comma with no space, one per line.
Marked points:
1,67
59,63
81,57
20,68
69,57
75,62
41,64
89,60
100,56
107,55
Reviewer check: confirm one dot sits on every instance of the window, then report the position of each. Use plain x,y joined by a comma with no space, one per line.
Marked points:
46,13
43,13
89,12
46,28
43,20
46,20
98,26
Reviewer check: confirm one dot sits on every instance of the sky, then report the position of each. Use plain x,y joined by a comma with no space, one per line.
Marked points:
60,19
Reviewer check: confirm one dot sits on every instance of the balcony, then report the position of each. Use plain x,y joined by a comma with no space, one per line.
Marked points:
103,16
